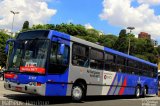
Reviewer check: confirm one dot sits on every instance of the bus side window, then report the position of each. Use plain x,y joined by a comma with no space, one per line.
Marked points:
155,72
110,62
58,62
59,58
96,59
120,61
80,55
64,58
53,53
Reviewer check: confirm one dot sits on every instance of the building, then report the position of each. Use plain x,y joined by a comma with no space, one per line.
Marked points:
144,35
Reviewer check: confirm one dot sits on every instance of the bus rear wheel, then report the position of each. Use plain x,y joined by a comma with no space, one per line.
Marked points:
137,92
144,92
78,92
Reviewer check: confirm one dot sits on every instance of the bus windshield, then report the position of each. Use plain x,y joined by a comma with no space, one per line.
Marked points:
29,56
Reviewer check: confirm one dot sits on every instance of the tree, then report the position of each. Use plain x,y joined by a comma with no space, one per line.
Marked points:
144,49
72,29
3,39
25,25
158,49
121,43
107,40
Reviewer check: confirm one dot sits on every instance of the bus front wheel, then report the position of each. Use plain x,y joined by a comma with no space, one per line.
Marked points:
78,92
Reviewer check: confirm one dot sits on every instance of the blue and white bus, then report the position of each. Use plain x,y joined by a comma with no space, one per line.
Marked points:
51,63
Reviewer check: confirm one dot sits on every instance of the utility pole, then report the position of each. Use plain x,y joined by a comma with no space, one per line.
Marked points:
14,13
129,40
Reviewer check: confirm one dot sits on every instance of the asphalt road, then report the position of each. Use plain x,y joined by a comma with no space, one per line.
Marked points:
10,98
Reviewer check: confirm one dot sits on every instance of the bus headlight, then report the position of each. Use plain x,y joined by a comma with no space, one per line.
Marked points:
7,81
35,84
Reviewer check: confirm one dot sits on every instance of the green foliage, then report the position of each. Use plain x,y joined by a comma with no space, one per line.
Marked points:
3,39
121,43
107,40
72,29
158,49
130,35
143,49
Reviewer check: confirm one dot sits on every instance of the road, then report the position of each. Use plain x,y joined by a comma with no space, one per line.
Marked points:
10,98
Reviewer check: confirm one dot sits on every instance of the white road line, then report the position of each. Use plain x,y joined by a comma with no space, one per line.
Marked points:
2,97
147,98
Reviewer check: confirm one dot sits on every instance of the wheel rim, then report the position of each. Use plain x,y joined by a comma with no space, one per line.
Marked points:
138,92
77,93
145,92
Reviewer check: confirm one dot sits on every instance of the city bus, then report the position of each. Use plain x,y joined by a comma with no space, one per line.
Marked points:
52,63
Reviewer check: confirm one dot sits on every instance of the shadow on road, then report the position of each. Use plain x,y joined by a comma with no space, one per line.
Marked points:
60,100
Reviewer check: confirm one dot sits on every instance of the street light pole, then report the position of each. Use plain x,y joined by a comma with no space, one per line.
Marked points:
14,13
129,40
129,44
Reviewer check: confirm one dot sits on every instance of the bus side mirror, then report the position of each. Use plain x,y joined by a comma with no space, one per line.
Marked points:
61,49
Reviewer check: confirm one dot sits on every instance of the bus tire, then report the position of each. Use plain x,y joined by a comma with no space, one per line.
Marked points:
144,92
78,92
137,92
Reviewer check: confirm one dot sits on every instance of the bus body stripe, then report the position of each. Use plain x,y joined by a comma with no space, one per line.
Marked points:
118,87
121,92
112,88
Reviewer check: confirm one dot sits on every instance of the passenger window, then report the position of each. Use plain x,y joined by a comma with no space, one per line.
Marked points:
120,60
80,55
131,63
96,59
155,72
110,62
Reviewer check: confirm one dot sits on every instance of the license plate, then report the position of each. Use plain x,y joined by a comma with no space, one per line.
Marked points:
18,88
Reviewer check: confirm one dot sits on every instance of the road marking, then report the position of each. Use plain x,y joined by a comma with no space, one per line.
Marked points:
2,97
147,98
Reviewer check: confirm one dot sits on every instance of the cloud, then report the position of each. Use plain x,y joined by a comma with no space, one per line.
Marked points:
88,26
49,1
151,2
122,13
36,12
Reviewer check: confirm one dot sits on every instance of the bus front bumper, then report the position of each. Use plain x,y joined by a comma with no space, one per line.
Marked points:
25,88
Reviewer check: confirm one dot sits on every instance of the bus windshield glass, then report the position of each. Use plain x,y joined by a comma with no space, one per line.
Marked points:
29,56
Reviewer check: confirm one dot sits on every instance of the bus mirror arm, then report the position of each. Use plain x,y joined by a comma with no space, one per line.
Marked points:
61,49
7,45
6,48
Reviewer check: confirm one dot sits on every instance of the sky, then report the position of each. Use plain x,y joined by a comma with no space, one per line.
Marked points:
108,16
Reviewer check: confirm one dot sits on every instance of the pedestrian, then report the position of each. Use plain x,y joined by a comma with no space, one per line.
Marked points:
3,70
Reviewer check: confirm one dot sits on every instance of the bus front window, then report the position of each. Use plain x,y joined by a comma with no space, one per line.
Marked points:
29,56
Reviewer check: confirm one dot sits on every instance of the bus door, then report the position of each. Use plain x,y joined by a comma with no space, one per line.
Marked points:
59,56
